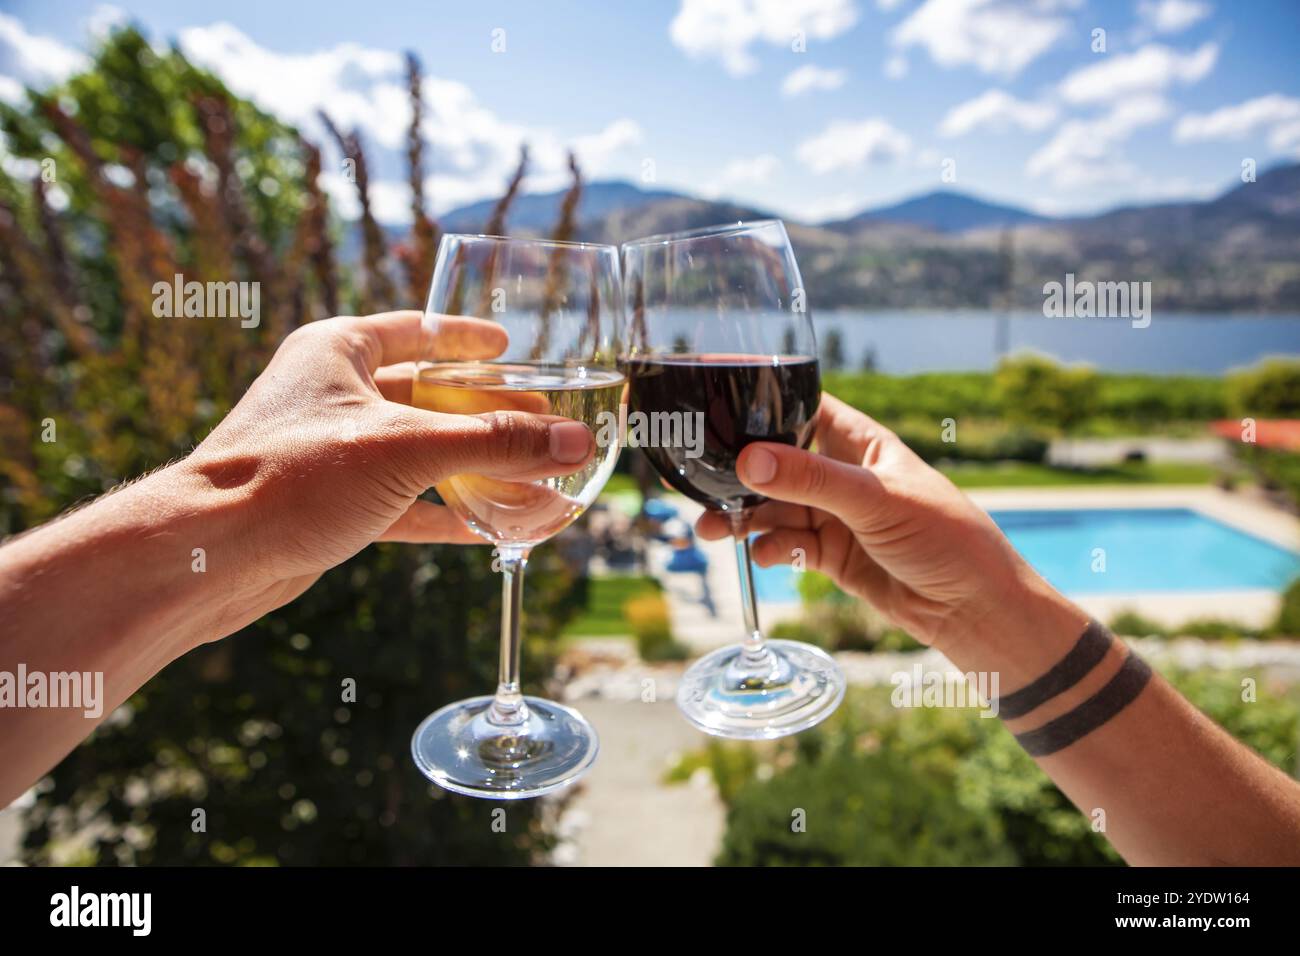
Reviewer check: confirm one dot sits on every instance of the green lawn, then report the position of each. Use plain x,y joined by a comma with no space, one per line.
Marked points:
1018,474
605,599
618,483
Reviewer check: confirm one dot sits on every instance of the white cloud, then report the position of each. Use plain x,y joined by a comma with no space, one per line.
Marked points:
809,78
994,36
757,170
11,91
749,172
1152,69
1085,152
472,149
31,60
1286,137
1172,16
1275,112
846,145
896,67
726,29
595,150
997,110
104,19
345,79
830,208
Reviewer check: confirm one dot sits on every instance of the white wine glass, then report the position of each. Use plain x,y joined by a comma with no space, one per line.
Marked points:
560,304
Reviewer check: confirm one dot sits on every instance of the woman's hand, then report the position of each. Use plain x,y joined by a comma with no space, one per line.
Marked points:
884,526
1175,788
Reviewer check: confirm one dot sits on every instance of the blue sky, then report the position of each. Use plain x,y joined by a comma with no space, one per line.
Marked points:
710,96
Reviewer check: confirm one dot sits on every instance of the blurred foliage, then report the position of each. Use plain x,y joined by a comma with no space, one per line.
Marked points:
978,440
877,785
603,600
833,621
1269,390
1129,623
155,169
1011,412
648,618
1288,614
1277,470
1034,390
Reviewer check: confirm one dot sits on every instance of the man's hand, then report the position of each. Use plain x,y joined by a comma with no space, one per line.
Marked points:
330,456
321,457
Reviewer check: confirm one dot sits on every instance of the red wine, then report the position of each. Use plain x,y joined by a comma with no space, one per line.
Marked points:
743,398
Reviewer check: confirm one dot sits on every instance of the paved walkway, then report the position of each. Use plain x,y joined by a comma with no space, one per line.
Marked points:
706,610
625,815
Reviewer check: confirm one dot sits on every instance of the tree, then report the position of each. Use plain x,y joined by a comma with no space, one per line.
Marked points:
833,351
1034,390
287,743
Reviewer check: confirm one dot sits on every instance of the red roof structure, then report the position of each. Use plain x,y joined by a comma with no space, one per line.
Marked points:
1280,433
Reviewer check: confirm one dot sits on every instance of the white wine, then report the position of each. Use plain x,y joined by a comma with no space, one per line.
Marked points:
519,514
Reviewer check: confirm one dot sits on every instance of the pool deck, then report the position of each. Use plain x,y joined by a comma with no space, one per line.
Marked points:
703,625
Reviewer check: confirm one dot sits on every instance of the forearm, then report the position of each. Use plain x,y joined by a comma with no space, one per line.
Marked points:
1175,788
120,589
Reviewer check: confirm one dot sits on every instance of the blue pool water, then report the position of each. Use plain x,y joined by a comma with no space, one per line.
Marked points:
776,584
1146,549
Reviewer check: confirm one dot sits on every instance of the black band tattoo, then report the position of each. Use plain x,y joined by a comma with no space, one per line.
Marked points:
1068,671
1120,691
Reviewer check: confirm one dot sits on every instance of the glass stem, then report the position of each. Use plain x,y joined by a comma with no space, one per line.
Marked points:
755,655
508,707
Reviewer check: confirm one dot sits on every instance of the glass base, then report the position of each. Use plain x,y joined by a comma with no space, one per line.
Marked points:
791,688
460,748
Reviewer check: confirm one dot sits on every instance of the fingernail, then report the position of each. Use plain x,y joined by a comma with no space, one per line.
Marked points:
569,442
759,468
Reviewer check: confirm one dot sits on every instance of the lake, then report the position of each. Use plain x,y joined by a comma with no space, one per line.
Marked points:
923,341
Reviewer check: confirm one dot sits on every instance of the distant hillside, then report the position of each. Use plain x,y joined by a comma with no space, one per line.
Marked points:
1237,252
538,212
670,215
943,211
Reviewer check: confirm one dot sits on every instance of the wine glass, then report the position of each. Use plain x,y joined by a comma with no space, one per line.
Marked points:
560,304
720,336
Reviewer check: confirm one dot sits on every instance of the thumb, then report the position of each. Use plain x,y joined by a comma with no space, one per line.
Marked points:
519,446
849,492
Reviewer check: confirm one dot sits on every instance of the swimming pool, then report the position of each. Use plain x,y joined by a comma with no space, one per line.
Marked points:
1123,550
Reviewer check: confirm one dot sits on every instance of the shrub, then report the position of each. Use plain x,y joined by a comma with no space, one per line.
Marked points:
815,587
648,617
835,621
1034,390
976,441
929,786
1288,615
1269,389
1215,629
1278,470
1130,623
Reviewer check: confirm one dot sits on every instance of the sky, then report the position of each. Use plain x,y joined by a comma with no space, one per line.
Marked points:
812,109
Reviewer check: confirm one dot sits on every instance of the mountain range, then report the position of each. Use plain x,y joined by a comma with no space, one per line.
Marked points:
1239,251
942,210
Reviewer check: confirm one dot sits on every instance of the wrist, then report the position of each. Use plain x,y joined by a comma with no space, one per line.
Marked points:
1021,629
212,526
